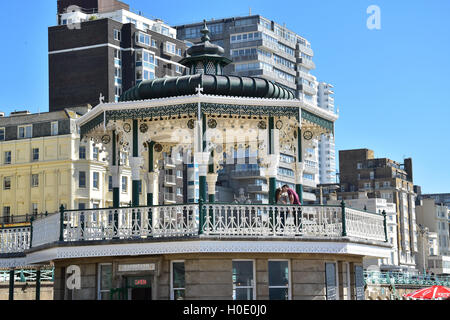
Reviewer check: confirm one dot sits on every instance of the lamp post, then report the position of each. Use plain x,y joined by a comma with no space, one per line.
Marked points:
423,232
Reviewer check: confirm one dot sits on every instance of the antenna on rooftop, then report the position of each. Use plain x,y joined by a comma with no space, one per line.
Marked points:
250,11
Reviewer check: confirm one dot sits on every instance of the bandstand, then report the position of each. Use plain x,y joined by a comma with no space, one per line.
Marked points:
207,249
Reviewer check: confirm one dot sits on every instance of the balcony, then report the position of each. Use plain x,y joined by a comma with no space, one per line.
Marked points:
170,198
169,163
170,180
309,64
247,174
307,89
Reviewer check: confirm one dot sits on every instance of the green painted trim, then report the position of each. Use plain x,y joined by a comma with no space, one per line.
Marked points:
272,190
299,146
203,132
344,228
116,197
135,193
211,198
11,284
299,190
114,149
326,124
38,284
202,186
61,223
149,199
135,139
271,127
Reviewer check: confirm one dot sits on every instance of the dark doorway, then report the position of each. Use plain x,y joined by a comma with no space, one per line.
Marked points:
141,294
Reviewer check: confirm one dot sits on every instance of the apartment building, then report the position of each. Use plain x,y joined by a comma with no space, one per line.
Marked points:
386,179
433,219
44,165
326,146
99,50
259,47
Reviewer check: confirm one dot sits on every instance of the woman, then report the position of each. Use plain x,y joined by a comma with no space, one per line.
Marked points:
279,198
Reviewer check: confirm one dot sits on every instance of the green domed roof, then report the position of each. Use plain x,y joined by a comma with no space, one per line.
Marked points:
205,64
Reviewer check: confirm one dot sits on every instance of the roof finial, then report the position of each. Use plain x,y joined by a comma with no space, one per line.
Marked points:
205,32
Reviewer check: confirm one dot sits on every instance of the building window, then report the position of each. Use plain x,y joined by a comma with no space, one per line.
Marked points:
359,166
143,38
54,128
7,157
81,179
177,280
35,180
243,280
170,48
7,183
25,132
331,281
82,153
34,208
117,35
279,280
6,214
2,134
124,184
154,43
104,281
179,192
95,153
95,183
35,154
110,183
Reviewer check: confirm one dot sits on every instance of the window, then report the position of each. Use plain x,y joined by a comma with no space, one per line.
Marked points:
179,191
279,280
2,134
6,213
170,48
7,157
372,175
243,280
35,154
81,179
54,128
25,132
34,208
124,184
95,183
331,281
82,152
179,174
143,38
177,280
154,43
359,166
95,153
117,35
7,183
34,180
110,183
104,281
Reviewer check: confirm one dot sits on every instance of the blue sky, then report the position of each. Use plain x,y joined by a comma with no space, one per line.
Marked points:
391,84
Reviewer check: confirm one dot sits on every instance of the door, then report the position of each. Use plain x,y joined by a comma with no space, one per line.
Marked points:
139,288
141,294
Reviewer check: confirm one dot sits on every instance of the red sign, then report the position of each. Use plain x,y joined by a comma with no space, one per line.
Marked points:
140,282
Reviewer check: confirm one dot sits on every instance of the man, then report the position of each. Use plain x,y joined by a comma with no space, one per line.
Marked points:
292,195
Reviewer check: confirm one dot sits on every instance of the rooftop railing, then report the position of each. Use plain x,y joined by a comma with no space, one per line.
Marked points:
197,220
400,278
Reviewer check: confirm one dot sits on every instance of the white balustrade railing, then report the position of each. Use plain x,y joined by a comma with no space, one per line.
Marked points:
128,223
365,225
46,230
14,240
218,220
273,221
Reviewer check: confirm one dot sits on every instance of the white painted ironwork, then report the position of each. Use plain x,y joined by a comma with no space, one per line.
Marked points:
14,240
365,225
129,223
46,230
273,221
220,220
